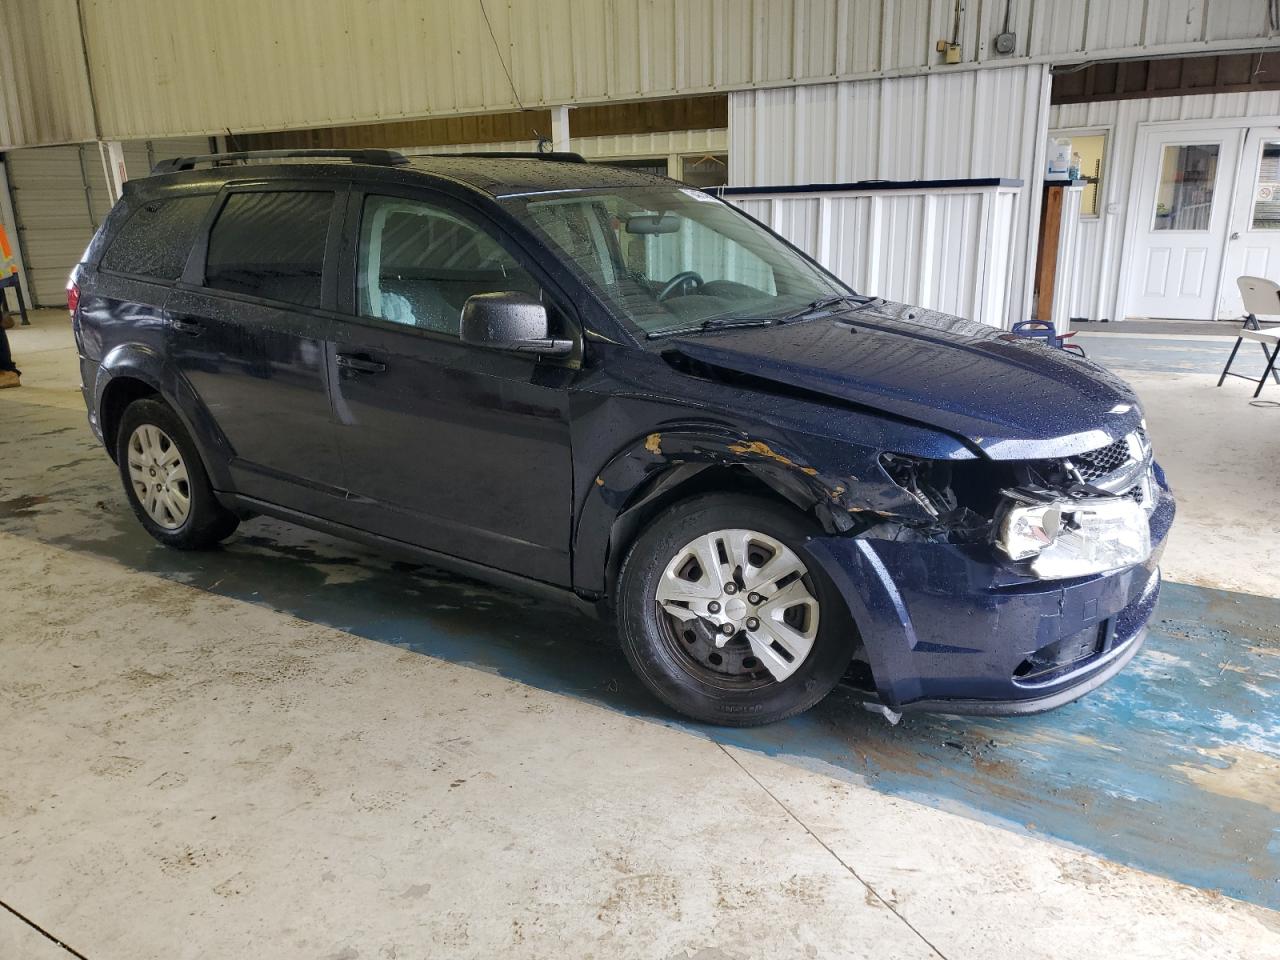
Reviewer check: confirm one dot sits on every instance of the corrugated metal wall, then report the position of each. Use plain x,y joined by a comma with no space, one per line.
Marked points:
44,89
948,250
60,197
1094,279
608,147
986,123
162,68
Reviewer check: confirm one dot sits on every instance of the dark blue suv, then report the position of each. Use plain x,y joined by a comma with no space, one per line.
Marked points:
623,392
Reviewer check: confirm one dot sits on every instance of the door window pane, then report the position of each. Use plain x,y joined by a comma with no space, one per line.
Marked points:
1266,192
271,245
657,165
705,170
419,263
1184,196
155,240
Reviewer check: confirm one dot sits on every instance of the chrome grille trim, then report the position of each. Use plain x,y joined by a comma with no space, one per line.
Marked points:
1122,468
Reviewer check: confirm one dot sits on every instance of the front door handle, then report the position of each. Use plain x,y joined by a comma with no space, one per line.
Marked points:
359,363
191,328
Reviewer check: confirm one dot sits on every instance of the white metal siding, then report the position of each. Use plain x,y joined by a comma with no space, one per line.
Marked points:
202,66
973,124
946,249
615,146
60,197
44,89
56,212
1093,281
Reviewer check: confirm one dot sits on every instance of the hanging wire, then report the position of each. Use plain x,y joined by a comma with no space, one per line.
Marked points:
498,50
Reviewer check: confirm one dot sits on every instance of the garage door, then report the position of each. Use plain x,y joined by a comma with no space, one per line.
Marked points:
60,197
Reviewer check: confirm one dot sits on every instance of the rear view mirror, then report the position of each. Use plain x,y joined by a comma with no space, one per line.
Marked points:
653,223
510,321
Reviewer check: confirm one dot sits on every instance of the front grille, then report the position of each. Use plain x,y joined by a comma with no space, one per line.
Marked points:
1104,461
1099,465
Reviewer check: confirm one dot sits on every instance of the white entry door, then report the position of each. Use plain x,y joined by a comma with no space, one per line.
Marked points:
1253,244
1184,204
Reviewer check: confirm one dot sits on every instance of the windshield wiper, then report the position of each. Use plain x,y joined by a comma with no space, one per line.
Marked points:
825,302
714,323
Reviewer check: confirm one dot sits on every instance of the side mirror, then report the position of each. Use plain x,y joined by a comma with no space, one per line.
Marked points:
510,321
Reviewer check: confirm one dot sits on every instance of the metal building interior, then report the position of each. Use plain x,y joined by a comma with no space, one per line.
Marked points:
298,745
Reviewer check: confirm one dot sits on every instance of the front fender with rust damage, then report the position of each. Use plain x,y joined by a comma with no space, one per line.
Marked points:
844,488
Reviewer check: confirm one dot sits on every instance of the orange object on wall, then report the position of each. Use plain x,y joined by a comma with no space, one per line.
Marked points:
7,262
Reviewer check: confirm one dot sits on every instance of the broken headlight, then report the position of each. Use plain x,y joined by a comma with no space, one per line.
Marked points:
1065,538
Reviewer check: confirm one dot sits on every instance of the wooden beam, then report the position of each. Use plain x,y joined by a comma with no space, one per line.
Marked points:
1169,77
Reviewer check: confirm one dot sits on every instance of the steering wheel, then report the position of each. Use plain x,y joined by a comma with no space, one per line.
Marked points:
686,281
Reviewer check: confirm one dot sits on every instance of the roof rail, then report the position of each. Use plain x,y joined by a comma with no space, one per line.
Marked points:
383,158
563,156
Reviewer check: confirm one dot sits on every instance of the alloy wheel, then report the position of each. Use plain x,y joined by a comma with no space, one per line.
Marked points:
159,476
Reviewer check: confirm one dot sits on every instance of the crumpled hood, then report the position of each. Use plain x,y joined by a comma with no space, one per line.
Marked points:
1010,397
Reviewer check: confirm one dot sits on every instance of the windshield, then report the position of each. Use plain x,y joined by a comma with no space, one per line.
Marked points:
671,259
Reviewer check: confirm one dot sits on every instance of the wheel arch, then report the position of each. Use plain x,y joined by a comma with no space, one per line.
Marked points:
117,394
132,372
661,468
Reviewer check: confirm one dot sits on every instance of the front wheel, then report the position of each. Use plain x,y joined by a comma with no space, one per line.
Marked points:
724,616
165,479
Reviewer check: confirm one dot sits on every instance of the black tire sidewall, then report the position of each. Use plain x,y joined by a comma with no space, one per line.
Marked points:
659,667
208,522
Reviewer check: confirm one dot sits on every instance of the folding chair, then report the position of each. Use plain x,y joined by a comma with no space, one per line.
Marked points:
1260,297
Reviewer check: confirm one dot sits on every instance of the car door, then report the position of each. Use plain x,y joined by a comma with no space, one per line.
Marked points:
248,329
454,447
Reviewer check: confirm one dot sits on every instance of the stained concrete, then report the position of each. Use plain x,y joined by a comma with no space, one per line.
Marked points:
189,770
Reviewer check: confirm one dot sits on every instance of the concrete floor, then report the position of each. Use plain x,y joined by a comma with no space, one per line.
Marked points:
292,747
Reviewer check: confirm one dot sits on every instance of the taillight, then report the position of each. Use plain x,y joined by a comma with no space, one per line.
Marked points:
73,297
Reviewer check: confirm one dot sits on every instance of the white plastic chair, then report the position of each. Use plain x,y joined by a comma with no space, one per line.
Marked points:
1261,298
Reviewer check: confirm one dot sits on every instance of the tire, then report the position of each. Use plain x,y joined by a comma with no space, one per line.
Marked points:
739,689
188,516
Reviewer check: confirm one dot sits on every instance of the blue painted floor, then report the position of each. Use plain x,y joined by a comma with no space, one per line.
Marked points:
1154,770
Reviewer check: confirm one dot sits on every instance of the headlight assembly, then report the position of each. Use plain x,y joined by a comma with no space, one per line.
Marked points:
1072,538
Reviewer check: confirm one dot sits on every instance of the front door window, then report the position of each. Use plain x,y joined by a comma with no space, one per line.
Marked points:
420,262
1184,193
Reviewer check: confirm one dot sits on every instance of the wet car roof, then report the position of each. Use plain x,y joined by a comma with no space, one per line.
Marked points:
497,176
507,176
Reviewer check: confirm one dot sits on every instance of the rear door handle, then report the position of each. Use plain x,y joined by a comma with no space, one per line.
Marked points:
360,363
191,328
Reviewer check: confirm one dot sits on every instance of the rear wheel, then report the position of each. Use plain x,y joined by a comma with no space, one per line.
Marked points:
724,617
165,479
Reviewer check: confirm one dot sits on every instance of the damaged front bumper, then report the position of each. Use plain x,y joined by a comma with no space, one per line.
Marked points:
954,629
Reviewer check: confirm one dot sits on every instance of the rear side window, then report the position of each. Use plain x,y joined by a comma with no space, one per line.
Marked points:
270,245
155,240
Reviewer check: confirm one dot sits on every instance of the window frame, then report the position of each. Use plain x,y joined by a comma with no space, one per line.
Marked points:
1153,215
193,276
1251,214
167,197
348,267
1107,133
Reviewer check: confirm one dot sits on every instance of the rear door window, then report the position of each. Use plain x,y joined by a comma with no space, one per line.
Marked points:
271,244
155,240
